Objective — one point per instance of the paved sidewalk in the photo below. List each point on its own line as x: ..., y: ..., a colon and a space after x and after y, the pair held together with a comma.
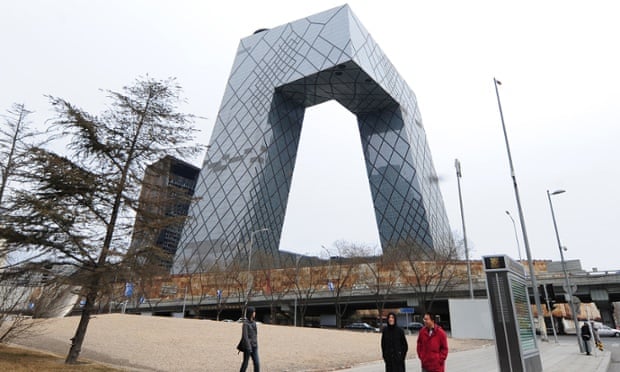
x: 555, y: 358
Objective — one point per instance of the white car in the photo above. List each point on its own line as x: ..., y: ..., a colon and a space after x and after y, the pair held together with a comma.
x: 359, y: 326
x: 605, y: 331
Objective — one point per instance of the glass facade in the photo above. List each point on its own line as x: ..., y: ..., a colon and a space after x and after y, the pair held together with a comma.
x: 246, y: 176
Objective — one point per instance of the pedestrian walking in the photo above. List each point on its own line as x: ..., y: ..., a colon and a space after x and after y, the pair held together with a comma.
x: 394, y: 346
x: 249, y: 340
x: 432, y: 346
x: 586, y: 335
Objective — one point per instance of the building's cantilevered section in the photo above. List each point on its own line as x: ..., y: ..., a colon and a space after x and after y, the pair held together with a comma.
x: 246, y: 176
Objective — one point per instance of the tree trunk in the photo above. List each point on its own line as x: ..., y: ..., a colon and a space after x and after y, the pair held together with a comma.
x: 301, y: 314
x: 380, y: 307
x: 272, y: 313
x: 220, y: 308
x: 339, y: 314
x: 80, y: 333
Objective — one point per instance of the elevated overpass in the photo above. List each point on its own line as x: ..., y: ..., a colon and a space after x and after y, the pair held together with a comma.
x: 602, y: 288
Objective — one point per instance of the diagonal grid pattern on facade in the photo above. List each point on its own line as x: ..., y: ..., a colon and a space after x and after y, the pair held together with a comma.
x: 246, y: 176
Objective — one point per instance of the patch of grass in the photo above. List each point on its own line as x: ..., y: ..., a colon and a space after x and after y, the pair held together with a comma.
x: 23, y: 360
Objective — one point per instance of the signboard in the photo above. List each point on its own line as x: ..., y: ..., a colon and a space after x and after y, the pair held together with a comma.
x: 128, y: 289
x: 515, y: 338
x: 527, y: 336
x: 407, y: 310
x: 494, y: 263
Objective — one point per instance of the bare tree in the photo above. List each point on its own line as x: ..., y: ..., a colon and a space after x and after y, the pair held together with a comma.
x: 221, y: 279
x: 26, y: 295
x: 199, y: 285
x: 145, y: 273
x: 15, y: 294
x: 343, y: 270
x: 273, y: 285
x: 305, y: 279
x: 430, y: 272
x: 16, y: 138
x: 381, y: 276
x: 79, y: 210
x: 239, y: 282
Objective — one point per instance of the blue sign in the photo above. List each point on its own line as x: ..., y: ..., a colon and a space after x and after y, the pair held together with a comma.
x: 128, y: 289
x: 330, y: 285
x: 219, y: 293
x: 407, y: 310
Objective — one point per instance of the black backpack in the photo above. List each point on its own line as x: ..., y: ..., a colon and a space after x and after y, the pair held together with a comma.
x: 585, y: 332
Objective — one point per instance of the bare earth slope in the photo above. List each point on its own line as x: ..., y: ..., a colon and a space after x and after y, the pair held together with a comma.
x: 172, y: 344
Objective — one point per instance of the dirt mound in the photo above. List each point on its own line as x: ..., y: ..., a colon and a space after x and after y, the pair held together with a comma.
x: 172, y: 344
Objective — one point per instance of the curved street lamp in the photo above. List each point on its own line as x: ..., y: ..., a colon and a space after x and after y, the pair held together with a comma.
x: 514, y: 226
x: 459, y: 174
x: 566, y: 281
x: 541, y: 319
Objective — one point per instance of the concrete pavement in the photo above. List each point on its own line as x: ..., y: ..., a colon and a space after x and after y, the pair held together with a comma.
x: 559, y: 357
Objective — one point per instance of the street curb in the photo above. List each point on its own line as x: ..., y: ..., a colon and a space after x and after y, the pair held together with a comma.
x: 604, y: 366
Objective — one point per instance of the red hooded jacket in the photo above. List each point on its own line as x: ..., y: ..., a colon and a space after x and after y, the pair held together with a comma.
x: 433, y: 349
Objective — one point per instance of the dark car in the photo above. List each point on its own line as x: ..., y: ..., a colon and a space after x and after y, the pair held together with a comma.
x: 359, y: 326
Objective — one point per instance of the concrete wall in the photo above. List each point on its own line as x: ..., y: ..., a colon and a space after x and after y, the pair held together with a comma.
x: 471, y: 319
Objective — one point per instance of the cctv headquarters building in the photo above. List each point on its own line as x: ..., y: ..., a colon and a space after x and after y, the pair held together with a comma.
x: 245, y: 178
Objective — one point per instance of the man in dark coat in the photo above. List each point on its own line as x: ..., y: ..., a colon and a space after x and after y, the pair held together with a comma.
x: 393, y: 346
x: 586, y: 335
x: 432, y: 346
x: 249, y: 340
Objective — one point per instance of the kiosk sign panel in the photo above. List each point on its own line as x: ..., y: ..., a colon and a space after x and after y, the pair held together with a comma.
x: 515, y: 338
x: 522, y: 308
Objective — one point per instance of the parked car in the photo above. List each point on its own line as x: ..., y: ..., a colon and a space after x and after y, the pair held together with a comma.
x: 414, y: 326
x: 605, y: 331
x: 359, y: 326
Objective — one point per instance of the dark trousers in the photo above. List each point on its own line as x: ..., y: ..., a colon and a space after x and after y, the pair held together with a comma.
x: 246, y: 359
x: 394, y: 365
x: 586, y: 344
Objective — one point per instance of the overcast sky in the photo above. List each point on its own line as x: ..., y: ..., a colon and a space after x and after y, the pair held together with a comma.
x: 558, y: 62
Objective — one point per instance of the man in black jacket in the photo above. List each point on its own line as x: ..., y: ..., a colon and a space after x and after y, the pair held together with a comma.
x: 586, y: 335
x: 393, y: 346
x: 249, y: 340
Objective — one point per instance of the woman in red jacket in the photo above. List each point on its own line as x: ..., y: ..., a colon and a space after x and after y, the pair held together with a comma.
x: 432, y: 346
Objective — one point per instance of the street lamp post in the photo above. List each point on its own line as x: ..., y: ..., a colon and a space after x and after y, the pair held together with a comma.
x: 541, y: 319
x: 184, y: 300
x: 514, y: 226
x: 566, y: 281
x: 296, y: 287
x: 330, y: 285
x: 457, y: 165
x: 250, y: 263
